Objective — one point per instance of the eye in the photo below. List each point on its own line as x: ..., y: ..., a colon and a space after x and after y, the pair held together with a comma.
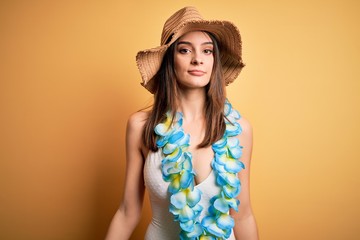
x: 208, y: 51
x: 184, y: 50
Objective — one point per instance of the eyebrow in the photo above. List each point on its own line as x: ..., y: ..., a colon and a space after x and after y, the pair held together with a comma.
x: 189, y: 43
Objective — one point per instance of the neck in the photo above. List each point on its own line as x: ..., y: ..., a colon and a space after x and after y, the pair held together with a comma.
x: 192, y: 104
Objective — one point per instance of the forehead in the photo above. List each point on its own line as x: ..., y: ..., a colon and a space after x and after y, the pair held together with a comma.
x: 195, y: 36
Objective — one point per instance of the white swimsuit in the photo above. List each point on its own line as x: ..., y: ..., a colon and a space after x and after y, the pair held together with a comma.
x: 163, y: 226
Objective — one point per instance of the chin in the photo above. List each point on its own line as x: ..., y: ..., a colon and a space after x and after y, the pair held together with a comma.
x: 195, y: 83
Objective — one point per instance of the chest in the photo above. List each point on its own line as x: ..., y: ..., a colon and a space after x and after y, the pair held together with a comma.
x: 201, y: 160
x: 201, y: 157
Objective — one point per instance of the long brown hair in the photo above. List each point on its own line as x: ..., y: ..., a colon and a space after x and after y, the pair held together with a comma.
x: 166, y: 94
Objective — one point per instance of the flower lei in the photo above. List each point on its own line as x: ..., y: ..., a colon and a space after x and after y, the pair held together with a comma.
x: 178, y: 170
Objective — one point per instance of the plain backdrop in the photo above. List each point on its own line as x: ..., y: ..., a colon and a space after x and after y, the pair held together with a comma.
x: 68, y: 82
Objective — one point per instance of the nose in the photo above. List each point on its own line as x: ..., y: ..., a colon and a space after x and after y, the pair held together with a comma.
x: 196, y: 60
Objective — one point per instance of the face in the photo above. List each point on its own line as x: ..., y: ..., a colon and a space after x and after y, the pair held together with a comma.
x: 193, y: 59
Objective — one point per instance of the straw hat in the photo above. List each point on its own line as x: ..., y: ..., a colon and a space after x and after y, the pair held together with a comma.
x: 185, y: 20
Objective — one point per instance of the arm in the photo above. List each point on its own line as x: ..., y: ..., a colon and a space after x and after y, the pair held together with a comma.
x: 245, y: 224
x: 128, y: 215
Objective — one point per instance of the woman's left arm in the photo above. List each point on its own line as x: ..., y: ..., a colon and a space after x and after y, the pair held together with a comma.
x: 245, y: 224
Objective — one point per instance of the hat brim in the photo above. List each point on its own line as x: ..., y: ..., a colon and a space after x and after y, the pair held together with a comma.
x: 225, y: 32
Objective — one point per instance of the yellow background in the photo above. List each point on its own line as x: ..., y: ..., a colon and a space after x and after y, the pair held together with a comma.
x: 68, y: 82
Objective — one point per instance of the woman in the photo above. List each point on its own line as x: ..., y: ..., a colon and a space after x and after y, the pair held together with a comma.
x: 192, y: 149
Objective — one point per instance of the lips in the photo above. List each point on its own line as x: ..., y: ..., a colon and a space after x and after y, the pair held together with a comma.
x: 196, y: 72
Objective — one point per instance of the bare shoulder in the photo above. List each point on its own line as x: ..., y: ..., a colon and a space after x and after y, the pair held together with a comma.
x: 136, y: 121
x: 246, y: 137
x: 245, y: 126
x: 134, y: 130
x: 135, y: 126
x: 246, y: 140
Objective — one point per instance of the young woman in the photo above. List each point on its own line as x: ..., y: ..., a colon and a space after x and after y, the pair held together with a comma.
x: 192, y: 150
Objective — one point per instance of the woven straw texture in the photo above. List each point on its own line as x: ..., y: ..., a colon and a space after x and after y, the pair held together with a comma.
x: 186, y: 20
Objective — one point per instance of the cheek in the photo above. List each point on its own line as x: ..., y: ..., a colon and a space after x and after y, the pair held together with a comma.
x: 211, y: 63
x: 179, y: 65
x: 177, y: 62
x: 177, y: 68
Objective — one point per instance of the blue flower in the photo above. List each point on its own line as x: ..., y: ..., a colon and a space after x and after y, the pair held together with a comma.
x: 196, y: 231
x: 186, y: 196
x: 177, y: 169
x: 211, y: 226
x: 224, y: 203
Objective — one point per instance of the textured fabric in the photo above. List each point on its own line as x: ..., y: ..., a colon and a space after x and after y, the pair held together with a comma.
x: 163, y: 226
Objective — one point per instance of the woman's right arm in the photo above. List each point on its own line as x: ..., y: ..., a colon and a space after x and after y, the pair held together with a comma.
x: 128, y: 215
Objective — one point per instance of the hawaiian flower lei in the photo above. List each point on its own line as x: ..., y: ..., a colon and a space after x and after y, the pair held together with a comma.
x: 178, y: 170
